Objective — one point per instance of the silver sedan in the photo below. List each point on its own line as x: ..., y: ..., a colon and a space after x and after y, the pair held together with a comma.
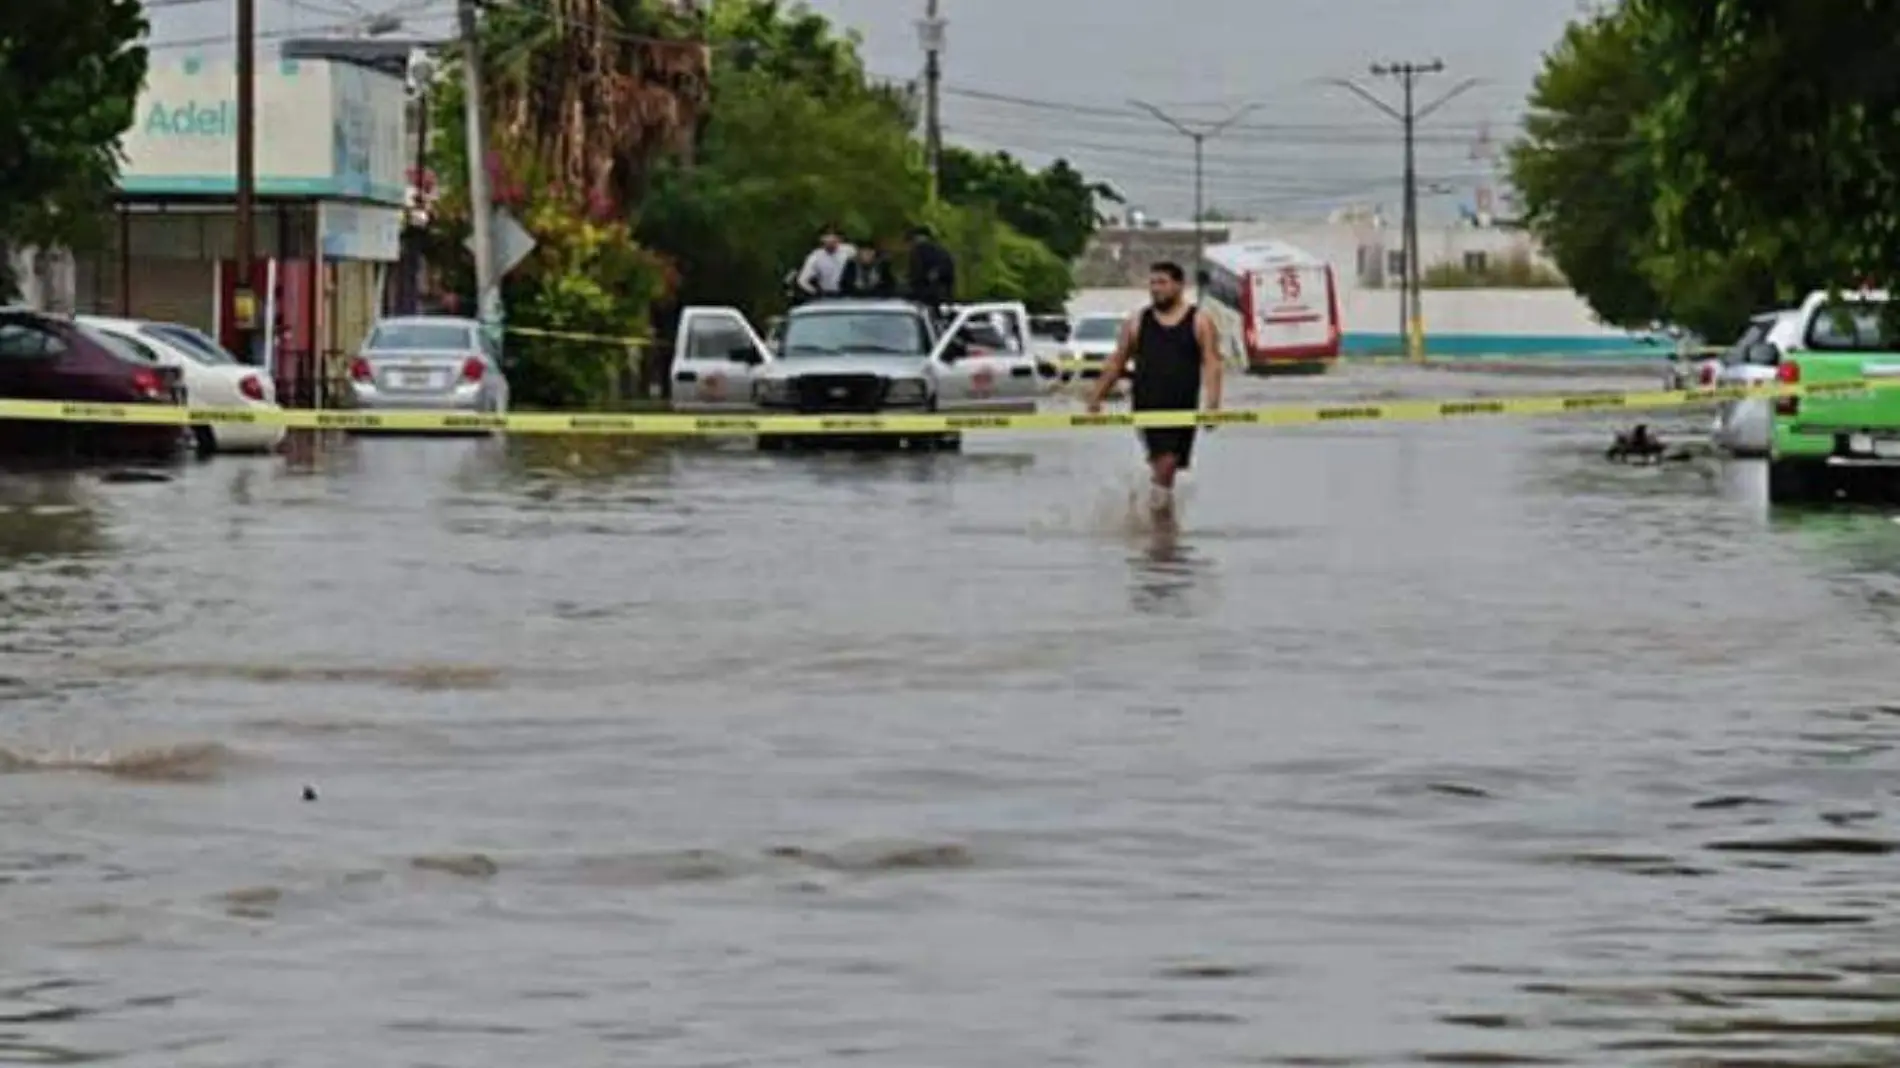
x: 429, y: 363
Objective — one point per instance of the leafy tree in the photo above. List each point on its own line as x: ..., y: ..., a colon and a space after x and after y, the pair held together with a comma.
x: 1777, y: 135
x: 586, y: 275
x: 1583, y: 173
x: 1056, y: 205
x: 1588, y: 173
x: 776, y: 163
x: 995, y: 262
x: 596, y: 91
x: 70, y: 74
x: 798, y: 136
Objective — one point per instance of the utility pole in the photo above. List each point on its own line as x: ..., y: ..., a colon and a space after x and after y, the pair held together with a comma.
x: 481, y: 209
x: 930, y: 33
x: 1199, y: 135
x: 243, y: 296
x: 1411, y: 294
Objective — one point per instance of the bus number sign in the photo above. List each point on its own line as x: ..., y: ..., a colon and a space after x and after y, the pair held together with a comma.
x: 1289, y: 283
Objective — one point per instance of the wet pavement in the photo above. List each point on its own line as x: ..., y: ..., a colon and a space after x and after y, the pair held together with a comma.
x: 1418, y: 745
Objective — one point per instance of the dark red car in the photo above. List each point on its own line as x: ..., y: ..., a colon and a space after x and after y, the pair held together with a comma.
x: 52, y: 358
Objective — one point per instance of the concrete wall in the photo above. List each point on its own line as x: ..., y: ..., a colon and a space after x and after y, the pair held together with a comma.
x: 1456, y: 320
x: 1358, y: 250
x: 1513, y: 321
x: 1119, y: 256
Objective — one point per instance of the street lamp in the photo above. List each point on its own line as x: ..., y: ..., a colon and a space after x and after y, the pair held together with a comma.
x: 1199, y: 135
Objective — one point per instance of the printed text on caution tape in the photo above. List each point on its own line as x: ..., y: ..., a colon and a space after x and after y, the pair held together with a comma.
x: 683, y: 424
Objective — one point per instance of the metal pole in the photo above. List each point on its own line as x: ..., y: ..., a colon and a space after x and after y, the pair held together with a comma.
x: 421, y: 266
x: 1200, y: 212
x: 1414, y: 341
x: 481, y: 209
x: 1412, y: 273
x: 244, y: 297
x: 1199, y: 136
x: 931, y: 32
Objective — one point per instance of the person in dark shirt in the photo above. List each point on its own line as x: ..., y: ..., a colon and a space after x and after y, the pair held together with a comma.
x: 933, y: 272
x: 867, y: 275
x: 1177, y: 360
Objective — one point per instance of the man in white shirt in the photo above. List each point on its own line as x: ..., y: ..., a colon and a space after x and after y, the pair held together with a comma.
x: 824, y: 268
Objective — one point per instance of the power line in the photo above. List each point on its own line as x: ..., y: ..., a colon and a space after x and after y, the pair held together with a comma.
x: 1408, y: 114
x: 1240, y: 134
x: 1130, y: 117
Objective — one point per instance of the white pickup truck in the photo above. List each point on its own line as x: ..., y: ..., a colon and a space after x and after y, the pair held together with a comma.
x: 853, y: 356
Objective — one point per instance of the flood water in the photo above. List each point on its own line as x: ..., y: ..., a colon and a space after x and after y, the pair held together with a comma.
x: 1417, y: 745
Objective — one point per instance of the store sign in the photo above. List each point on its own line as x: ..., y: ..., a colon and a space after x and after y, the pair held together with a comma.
x: 323, y: 130
x: 359, y: 232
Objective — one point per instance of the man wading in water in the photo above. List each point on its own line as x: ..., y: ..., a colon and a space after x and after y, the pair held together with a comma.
x: 1177, y: 360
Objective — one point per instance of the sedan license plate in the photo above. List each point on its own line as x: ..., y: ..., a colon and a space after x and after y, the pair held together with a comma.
x: 415, y: 380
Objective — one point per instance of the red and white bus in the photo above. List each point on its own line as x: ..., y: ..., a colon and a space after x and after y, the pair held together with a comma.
x: 1277, y: 306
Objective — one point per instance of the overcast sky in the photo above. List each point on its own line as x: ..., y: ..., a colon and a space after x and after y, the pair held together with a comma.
x: 1047, y: 78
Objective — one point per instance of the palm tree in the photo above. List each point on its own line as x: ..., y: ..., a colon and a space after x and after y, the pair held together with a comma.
x: 597, y: 91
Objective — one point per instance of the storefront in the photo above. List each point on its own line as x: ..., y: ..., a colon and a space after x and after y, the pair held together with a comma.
x: 331, y: 181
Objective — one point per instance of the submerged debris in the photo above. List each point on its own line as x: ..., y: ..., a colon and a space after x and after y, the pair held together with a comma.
x: 1638, y: 446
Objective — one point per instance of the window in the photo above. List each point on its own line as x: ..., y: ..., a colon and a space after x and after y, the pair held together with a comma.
x: 422, y: 337
x: 1852, y: 326
x: 835, y: 333
x: 1477, y: 262
x: 992, y: 332
x: 717, y: 338
x: 28, y: 341
x: 126, y: 348
x: 1395, y: 262
x: 1098, y: 328
x: 1223, y: 287
x: 1737, y: 353
x: 192, y: 343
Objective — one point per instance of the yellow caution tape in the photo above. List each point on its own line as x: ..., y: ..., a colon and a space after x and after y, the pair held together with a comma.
x: 687, y: 425
x: 569, y: 335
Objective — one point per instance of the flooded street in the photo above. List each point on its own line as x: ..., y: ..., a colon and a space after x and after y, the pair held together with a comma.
x: 1420, y: 744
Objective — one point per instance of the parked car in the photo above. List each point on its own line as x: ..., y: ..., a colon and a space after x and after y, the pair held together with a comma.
x: 1826, y: 442
x: 429, y: 363
x: 213, y: 379
x: 1091, y: 342
x: 54, y: 358
x: 1746, y: 427
x: 1692, y: 364
x: 857, y: 356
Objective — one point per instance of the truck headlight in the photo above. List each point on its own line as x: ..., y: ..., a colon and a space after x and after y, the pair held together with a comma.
x: 772, y: 391
x: 907, y: 391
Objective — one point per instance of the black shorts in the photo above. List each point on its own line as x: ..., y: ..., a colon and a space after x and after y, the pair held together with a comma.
x: 1175, y: 441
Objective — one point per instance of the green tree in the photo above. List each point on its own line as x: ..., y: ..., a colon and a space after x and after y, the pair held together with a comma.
x: 1776, y: 138
x: 1588, y: 172
x: 775, y: 163
x: 1056, y: 205
x: 70, y: 74
x: 1584, y: 174
x: 798, y: 136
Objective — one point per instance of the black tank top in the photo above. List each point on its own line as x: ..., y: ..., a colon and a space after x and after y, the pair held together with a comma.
x: 1167, y: 364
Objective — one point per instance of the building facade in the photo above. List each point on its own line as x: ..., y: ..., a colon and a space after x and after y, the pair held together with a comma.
x: 331, y: 171
x: 1367, y: 253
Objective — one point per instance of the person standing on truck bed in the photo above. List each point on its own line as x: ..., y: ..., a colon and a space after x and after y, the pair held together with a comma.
x: 824, y: 268
x: 867, y: 275
x: 933, y: 272
x: 1177, y: 368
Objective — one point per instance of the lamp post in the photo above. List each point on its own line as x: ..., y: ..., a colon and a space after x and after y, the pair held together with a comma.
x: 1199, y: 135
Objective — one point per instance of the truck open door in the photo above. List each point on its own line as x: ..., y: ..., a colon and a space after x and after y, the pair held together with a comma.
x: 984, y: 360
x: 716, y: 358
